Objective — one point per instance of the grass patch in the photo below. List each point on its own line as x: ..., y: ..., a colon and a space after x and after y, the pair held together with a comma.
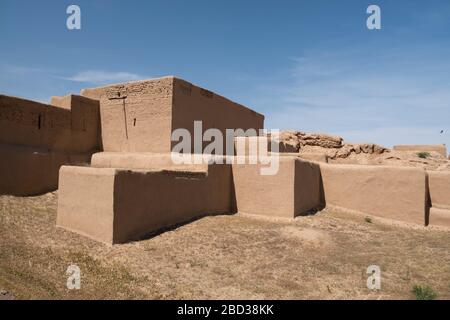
x: 424, y: 292
x: 423, y: 155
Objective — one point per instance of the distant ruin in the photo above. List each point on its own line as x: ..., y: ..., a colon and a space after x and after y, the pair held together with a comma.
x: 109, y: 152
x: 36, y: 139
x: 441, y: 149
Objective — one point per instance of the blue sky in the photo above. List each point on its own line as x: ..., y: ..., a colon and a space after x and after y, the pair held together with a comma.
x: 307, y: 65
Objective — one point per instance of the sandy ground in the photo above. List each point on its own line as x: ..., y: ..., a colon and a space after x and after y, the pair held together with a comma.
x: 324, y: 256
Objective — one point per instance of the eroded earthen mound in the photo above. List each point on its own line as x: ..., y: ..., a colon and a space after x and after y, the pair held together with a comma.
x: 336, y: 150
x: 333, y: 146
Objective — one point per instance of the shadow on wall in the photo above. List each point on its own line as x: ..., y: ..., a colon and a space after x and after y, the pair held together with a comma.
x: 308, y: 189
x: 408, y: 194
x: 428, y: 202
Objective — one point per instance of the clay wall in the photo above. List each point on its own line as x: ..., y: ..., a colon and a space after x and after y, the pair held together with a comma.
x: 141, y: 116
x: 29, y: 123
x: 115, y: 205
x: 36, y: 139
x: 27, y: 171
x: 192, y: 103
x: 135, y: 116
x: 439, y: 183
x: 397, y: 193
x: 293, y: 191
x: 440, y: 148
x: 439, y: 217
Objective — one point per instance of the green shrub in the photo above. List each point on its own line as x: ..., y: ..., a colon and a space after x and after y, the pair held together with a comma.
x: 423, y: 155
x: 423, y: 292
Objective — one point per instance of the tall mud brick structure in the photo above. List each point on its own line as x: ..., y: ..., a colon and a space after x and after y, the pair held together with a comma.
x: 141, y: 116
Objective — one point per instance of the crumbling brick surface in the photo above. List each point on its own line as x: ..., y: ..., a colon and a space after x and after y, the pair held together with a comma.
x: 141, y: 116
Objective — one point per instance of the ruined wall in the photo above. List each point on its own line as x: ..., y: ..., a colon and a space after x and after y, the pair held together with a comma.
x: 326, y: 148
x: 308, y: 189
x: 27, y: 171
x: 115, y: 206
x: 29, y: 123
x: 86, y: 202
x: 135, y: 116
x: 439, y: 148
x: 265, y: 195
x: 397, y: 193
x: 191, y: 103
x: 293, y: 191
x: 440, y: 217
x: 140, y: 116
x: 36, y: 139
x: 85, y: 121
x: 439, y: 183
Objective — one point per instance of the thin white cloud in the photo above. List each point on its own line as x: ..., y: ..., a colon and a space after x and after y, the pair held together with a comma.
x: 87, y: 76
x: 104, y: 77
x: 21, y: 70
x: 395, y: 97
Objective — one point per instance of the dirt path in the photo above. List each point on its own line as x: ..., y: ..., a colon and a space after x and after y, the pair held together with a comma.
x: 224, y: 257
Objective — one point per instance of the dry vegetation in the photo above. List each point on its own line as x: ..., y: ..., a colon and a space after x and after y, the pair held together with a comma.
x: 317, y: 257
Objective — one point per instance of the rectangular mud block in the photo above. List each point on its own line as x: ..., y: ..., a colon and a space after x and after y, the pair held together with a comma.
x: 439, y: 183
x: 114, y: 205
x: 140, y: 116
x: 294, y: 190
x: 71, y: 127
x: 397, y: 193
x: 439, y: 217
